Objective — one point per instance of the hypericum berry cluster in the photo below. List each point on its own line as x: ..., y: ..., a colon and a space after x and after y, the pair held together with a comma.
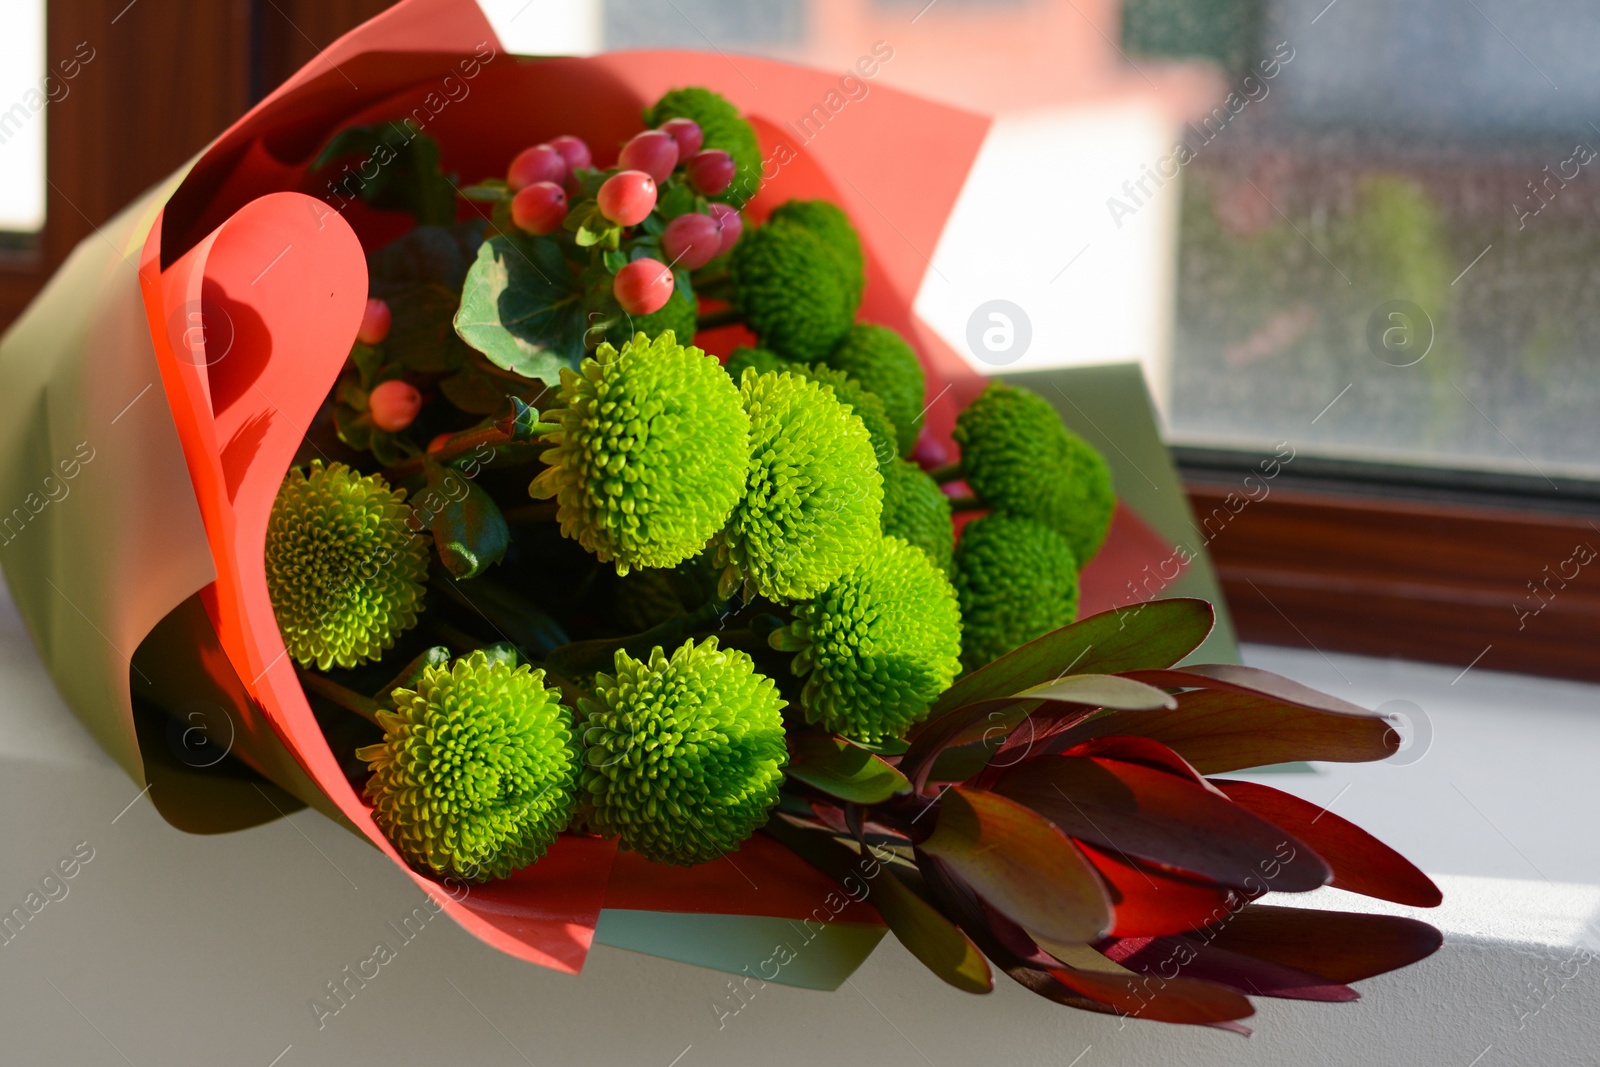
x: 552, y: 181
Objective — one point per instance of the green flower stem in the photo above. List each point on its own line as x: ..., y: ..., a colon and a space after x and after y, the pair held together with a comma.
x: 966, y: 503
x: 531, y: 514
x: 950, y: 472
x: 348, y: 699
x: 726, y: 317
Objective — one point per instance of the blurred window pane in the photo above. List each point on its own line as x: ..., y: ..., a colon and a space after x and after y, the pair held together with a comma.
x: 1368, y: 227
x: 23, y: 94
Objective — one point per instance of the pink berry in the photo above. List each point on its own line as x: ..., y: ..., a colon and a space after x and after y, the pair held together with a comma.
x: 687, y: 133
x: 691, y: 241
x: 710, y: 172
x: 730, y: 222
x: 539, y: 208
x: 541, y: 163
x: 374, y: 323
x: 653, y: 151
x: 438, y: 441
x: 393, y: 404
x: 627, y: 197
x: 573, y: 150
x: 643, y: 286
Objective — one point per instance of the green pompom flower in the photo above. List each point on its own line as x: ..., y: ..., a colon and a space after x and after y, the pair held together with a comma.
x: 477, y: 770
x: 685, y: 755
x: 678, y: 315
x: 880, y: 644
x: 864, y: 405
x: 1017, y: 579
x: 345, y: 572
x: 916, y: 510
x: 724, y: 128
x: 813, y: 492
x: 1019, y: 457
x: 791, y: 292
x: 650, y: 455
x: 831, y: 224
x: 759, y: 360
x: 884, y: 364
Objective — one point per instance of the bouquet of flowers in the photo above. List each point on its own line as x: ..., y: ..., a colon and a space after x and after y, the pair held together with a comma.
x: 564, y: 611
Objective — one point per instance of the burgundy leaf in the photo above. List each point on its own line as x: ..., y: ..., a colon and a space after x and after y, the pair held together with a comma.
x: 1220, y: 730
x: 1167, y: 956
x: 1341, y: 946
x: 1361, y: 863
x: 1019, y: 864
x: 1147, y: 901
x: 1162, y: 819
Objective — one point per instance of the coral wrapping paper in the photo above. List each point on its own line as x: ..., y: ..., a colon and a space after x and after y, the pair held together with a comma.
x: 191, y: 342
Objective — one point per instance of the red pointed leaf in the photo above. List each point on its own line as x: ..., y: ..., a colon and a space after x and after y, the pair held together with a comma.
x: 1157, y: 817
x: 1180, y: 999
x: 1020, y: 864
x: 1235, y: 678
x: 1145, y: 636
x: 1247, y: 974
x: 1147, y: 901
x: 1341, y: 946
x: 1220, y: 730
x: 990, y: 720
x: 1361, y: 863
x: 926, y: 934
x: 1144, y: 752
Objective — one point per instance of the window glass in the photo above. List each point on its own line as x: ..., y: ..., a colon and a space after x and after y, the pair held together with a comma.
x: 24, y: 92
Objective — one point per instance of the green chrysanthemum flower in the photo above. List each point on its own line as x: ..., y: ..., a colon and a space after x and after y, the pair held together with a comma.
x: 678, y: 314
x: 813, y: 492
x: 1017, y: 579
x: 791, y: 292
x: 759, y: 360
x: 1019, y: 457
x: 724, y: 128
x: 650, y: 456
x: 879, y: 644
x: 916, y: 510
x: 344, y: 572
x: 884, y: 364
x: 864, y: 405
x: 831, y: 224
x: 477, y: 770
x: 685, y: 755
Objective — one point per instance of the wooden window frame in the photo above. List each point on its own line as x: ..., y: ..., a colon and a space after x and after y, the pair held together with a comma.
x: 1469, y: 569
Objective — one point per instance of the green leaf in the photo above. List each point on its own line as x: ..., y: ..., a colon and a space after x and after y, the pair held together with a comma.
x: 521, y: 308
x: 1021, y: 864
x: 368, y: 362
x: 488, y: 191
x: 420, y: 275
x: 1152, y: 635
x: 501, y: 652
x: 933, y: 939
x: 468, y: 530
x: 675, y: 198
x: 840, y: 769
x: 353, y: 427
x: 399, y: 171
x: 531, y: 631
x: 411, y: 674
x: 473, y: 391
x: 614, y: 260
